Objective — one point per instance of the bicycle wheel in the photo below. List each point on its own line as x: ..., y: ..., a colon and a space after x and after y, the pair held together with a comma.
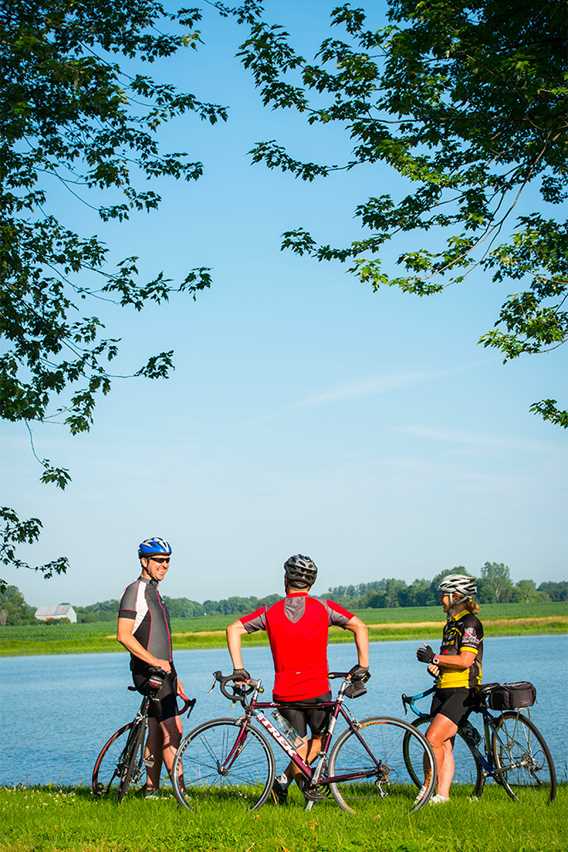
x: 469, y: 775
x: 209, y: 770
x: 376, y: 747
x: 111, y: 763
x: 133, y: 760
x: 524, y: 763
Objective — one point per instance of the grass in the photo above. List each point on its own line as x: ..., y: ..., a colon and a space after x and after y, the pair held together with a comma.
x: 208, y: 631
x: 56, y: 819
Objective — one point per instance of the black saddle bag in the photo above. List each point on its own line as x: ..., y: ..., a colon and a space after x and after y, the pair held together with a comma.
x: 511, y: 696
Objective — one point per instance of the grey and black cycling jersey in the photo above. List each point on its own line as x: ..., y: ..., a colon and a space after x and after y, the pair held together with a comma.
x: 142, y: 602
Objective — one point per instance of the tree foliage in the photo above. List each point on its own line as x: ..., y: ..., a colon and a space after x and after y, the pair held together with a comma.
x: 13, y: 608
x: 468, y: 102
x: 495, y: 583
x: 79, y: 117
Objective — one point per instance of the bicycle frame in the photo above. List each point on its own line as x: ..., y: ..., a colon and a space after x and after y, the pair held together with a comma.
x: 485, y: 758
x: 123, y: 770
x: 254, y: 710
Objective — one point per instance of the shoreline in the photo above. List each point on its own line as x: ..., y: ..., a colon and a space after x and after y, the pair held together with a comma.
x: 211, y: 639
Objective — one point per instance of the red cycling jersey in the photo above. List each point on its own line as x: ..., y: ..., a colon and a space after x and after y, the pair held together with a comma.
x: 297, y: 629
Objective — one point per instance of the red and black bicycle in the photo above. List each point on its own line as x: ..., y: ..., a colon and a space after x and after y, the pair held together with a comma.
x: 234, y: 758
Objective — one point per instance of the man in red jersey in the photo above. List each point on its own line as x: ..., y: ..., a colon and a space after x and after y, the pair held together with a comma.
x: 297, y: 628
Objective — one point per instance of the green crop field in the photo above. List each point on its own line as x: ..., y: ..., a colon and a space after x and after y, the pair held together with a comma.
x: 208, y: 631
x: 51, y: 819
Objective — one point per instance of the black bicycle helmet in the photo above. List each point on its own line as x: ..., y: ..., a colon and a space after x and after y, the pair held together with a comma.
x: 300, y: 570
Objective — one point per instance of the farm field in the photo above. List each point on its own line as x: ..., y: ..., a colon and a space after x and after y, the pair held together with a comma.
x: 53, y: 819
x: 208, y: 631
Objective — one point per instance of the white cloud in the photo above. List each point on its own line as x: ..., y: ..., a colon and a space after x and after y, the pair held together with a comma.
x: 475, y: 439
x: 371, y: 387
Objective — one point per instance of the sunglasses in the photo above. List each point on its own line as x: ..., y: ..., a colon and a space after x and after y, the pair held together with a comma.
x: 161, y: 560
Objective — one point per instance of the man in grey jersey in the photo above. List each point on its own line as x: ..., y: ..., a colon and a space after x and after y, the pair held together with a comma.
x: 144, y: 630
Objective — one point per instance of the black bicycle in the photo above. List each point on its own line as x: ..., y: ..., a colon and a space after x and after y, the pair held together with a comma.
x: 121, y: 762
x: 511, y: 749
x: 233, y: 758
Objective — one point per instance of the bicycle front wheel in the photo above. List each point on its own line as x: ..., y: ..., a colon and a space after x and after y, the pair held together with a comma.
x: 524, y: 763
x: 376, y: 749
x: 468, y: 776
x: 224, y: 758
x: 111, y: 763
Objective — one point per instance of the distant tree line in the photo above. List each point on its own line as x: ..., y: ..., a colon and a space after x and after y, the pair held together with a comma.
x: 178, y: 607
x: 494, y: 586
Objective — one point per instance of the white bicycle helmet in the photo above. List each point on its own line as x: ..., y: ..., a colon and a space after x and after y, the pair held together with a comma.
x: 458, y: 584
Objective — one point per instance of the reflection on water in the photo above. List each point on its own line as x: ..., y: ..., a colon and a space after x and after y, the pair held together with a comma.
x: 60, y: 709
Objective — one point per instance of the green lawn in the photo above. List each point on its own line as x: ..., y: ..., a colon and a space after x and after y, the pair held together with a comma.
x: 44, y: 819
x: 192, y: 632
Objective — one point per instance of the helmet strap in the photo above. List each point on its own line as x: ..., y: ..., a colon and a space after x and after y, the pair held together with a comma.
x: 146, y: 570
x: 456, y: 605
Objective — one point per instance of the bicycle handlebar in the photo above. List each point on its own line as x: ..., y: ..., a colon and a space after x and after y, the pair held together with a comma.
x: 188, y: 705
x: 410, y: 701
x: 241, y: 688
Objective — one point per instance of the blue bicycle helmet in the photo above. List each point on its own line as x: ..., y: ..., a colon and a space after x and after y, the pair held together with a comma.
x: 154, y: 546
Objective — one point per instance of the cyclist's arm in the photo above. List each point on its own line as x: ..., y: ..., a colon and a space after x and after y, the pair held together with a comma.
x: 361, y: 636
x: 125, y: 635
x: 234, y: 634
x: 463, y: 660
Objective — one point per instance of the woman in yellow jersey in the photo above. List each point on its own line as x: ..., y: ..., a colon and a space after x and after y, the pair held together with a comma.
x: 457, y: 669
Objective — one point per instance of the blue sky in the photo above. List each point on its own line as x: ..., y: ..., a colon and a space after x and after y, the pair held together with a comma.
x: 306, y: 414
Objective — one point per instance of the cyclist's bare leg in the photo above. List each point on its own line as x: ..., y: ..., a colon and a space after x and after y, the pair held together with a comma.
x: 308, y: 751
x: 439, y: 735
x: 314, y: 748
x: 154, y: 748
x: 171, y: 735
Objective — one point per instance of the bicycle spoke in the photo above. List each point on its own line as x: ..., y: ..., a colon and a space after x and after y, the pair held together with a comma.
x: 111, y: 765
x: 385, y: 739
x: 247, y: 774
x: 468, y: 774
x: 524, y: 764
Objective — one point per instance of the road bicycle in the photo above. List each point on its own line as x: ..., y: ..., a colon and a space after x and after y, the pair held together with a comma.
x: 511, y: 750
x: 233, y: 758
x: 121, y: 763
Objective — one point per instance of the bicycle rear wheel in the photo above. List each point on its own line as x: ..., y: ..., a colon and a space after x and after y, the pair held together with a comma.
x: 523, y: 760
x: 376, y: 748
x: 217, y: 762
x: 111, y: 763
x: 134, y: 760
x: 469, y: 776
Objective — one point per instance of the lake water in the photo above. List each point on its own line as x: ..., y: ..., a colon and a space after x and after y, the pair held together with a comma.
x: 56, y: 711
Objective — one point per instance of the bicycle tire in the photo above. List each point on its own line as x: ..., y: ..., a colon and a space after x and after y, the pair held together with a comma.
x: 348, y: 755
x: 209, y: 744
x: 107, y: 769
x: 134, y: 759
x: 524, y: 770
x: 470, y: 777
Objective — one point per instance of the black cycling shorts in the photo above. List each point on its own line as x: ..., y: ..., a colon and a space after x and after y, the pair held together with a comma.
x: 302, y: 714
x: 164, y: 706
x: 455, y: 703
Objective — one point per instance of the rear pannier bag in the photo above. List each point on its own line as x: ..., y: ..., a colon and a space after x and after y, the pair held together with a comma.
x: 512, y: 696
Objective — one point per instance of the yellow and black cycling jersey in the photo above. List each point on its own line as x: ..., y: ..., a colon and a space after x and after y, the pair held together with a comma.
x: 462, y: 632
